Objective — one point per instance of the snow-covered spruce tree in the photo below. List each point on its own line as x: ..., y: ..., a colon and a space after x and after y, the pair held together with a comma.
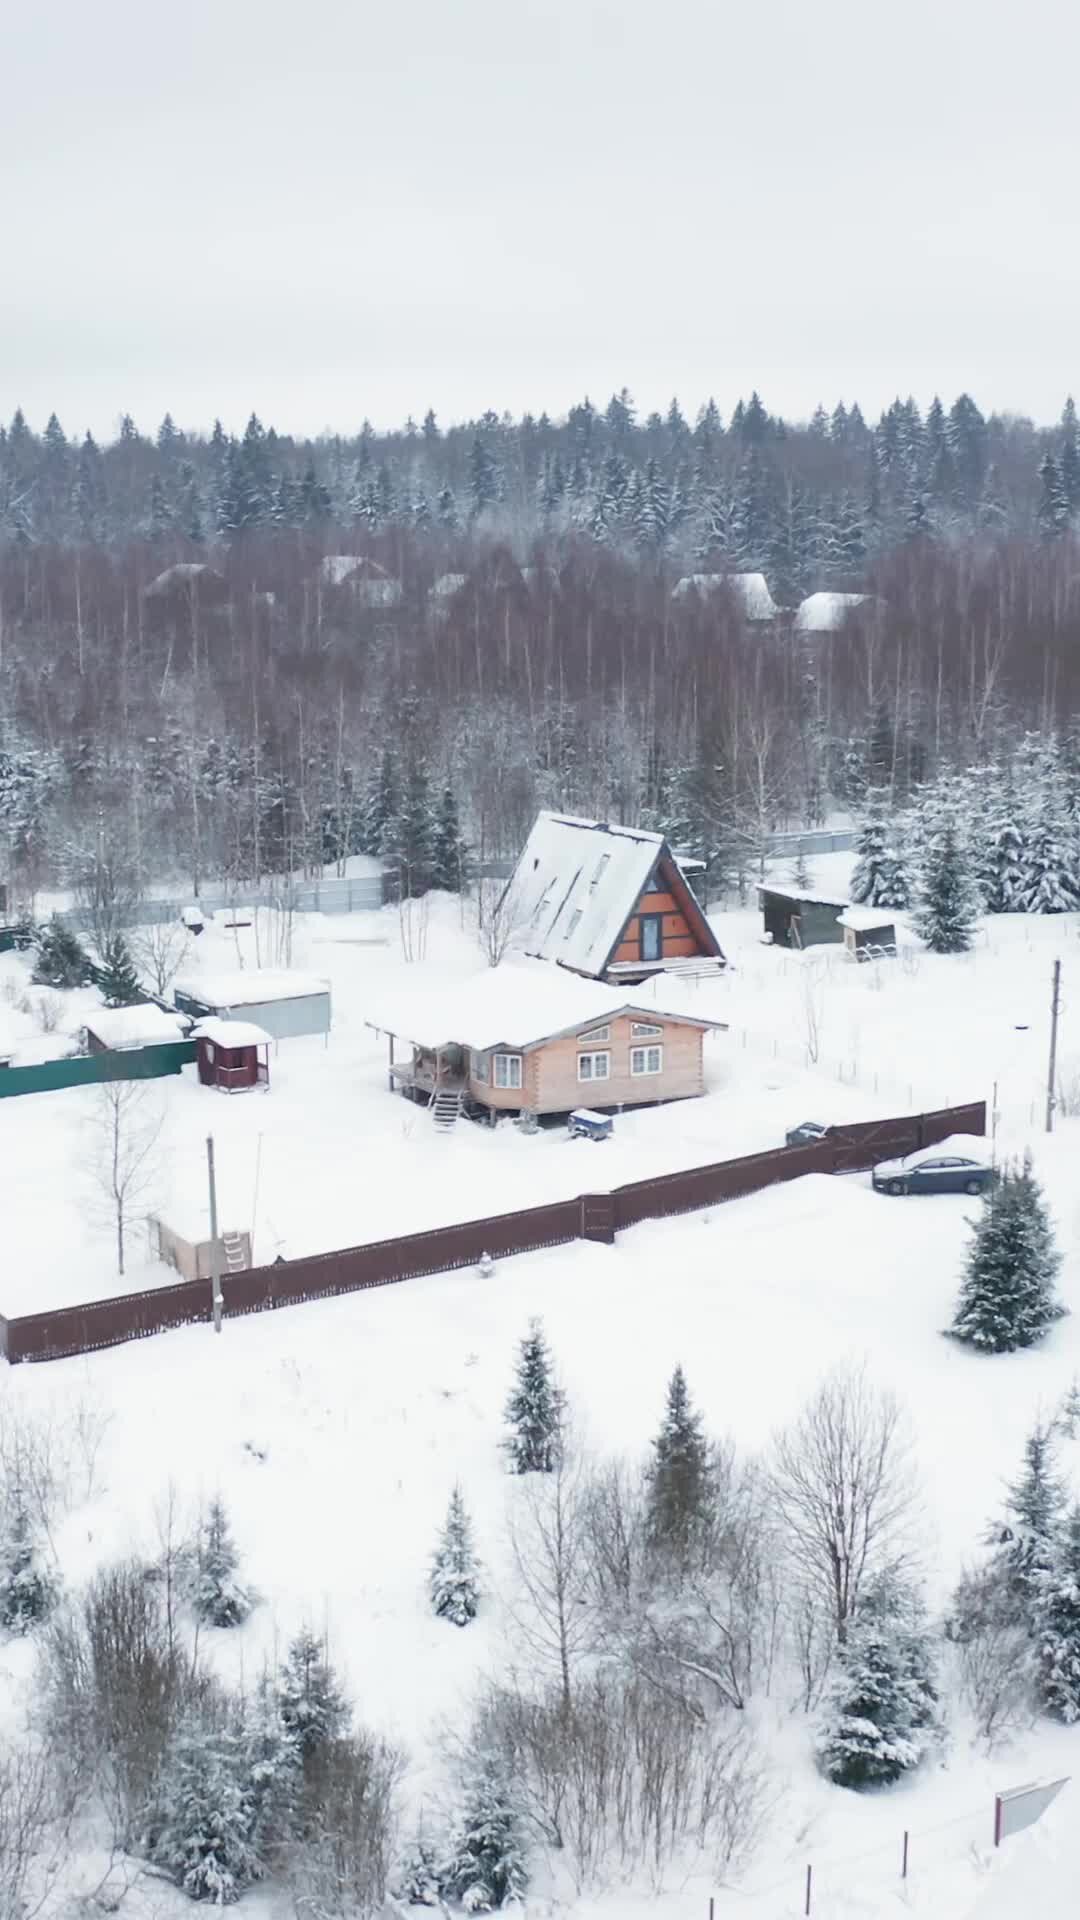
x: 879, y: 878
x: 420, y: 1878
x: 881, y: 1714
x: 409, y: 839
x: 312, y: 1706
x: 27, y: 1591
x: 680, y: 1480
x: 948, y: 903
x: 534, y: 1411
x: 454, y: 1579
x: 1007, y: 1297
x: 1056, y: 1625
x: 1028, y: 1540
x: 485, y: 1869
x: 1048, y: 881
x: 201, y: 1829
x: 218, y: 1597
x: 117, y: 978
x: 61, y: 961
x: 450, y: 855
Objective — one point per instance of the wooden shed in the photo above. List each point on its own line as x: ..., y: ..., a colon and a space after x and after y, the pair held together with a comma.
x: 118, y: 1029
x: 869, y: 932
x: 233, y: 1055
x: 794, y: 919
x: 284, y: 1004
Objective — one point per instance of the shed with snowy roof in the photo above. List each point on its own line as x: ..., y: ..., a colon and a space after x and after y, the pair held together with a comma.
x: 232, y: 1055
x: 116, y: 1029
x: 608, y: 902
x: 284, y: 1004
x: 869, y: 932
x: 795, y: 919
x: 830, y: 612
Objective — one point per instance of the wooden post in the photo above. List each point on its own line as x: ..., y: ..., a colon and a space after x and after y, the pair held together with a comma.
x: 215, y: 1244
x: 809, y: 1887
x: 903, y: 1864
x: 390, y: 1066
x: 1051, y: 1076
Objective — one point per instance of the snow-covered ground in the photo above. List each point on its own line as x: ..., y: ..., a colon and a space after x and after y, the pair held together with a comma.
x: 367, y: 1407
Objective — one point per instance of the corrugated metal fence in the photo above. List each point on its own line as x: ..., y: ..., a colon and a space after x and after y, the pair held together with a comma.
x: 364, y: 895
x: 125, y: 1063
x: 595, y: 1216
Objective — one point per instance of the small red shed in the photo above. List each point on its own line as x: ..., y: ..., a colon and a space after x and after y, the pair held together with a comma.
x: 233, y: 1055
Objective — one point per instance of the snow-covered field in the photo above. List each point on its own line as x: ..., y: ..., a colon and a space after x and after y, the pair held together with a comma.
x: 367, y: 1408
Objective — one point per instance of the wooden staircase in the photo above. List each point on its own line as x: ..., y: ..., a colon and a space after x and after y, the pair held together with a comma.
x: 447, y: 1104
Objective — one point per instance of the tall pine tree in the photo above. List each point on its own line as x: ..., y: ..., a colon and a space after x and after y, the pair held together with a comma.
x: 486, y: 1868
x: 1008, y: 1298
x: 680, y: 1479
x: 535, y: 1408
x: 947, y: 900
x: 454, y: 1579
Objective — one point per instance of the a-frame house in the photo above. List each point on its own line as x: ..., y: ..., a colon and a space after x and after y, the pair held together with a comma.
x: 604, y: 901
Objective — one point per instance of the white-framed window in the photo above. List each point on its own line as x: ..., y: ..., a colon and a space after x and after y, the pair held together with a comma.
x: 594, y: 1066
x: 641, y: 1030
x: 646, y: 1060
x: 508, y: 1069
x: 481, y: 1066
x: 596, y: 1036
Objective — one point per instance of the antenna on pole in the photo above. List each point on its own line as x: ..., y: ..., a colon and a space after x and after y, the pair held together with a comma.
x: 215, y: 1244
x: 1051, y: 1076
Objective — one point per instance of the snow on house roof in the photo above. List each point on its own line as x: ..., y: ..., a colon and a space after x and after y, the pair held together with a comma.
x: 827, y: 612
x: 253, y: 987
x: 574, y: 887
x: 750, y: 589
x: 447, y: 584
x: 231, y: 1033
x: 867, y: 919
x: 516, y: 1005
x: 147, y: 1026
x: 808, y: 896
x: 185, y: 573
x: 371, y: 582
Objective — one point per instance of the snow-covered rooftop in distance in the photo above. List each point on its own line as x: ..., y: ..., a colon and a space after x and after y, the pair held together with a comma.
x: 185, y: 573
x: 514, y: 1005
x: 750, y: 589
x: 146, y: 1026
x: 867, y: 919
x: 827, y: 612
x: 574, y: 887
x: 250, y: 987
x: 447, y: 584
x: 231, y: 1033
x: 804, y: 894
x: 41, y: 1048
x: 371, y: 581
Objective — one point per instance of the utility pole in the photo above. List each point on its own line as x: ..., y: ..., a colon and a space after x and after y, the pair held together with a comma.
x: 1055, y: 1010
x: 215, y: 1244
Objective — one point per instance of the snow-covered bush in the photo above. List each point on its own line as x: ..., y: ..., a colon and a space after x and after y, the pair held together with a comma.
x: 202, y: 1824
x: 311, y: 1703
x: 485, y: 1869
x: 881, y: 1714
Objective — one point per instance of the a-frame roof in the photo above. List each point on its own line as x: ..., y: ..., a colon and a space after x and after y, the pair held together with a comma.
x: 576, y: 885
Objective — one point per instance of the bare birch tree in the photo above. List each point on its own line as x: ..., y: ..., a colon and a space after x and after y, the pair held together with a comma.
x: 550, y: 1538
x: 160, y: 951
x: 127, y: 1125
x: 844, y: 1489
x: 499, y: 916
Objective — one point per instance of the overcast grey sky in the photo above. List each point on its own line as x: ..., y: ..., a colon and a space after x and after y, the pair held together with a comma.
x: 323, y: 209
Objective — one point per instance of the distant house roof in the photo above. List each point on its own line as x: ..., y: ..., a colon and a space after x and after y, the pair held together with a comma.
x: 751, y: 590
x: 447, y: 584
x: 827, y: 612
x: 576, y: 885
x: 518, y: 1005
x: 186, y: 576
x: 119, y: 1027
x: 251, y: 987
x: 370, y: 583
x: 807, y: 896
x: 231, y: 1033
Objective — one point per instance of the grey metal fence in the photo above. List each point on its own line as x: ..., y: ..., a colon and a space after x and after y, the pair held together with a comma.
x: 365, y: 895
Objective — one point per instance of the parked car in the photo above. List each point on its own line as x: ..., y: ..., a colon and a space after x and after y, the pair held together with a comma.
x: 806, y: 1135
x: 959, y: 1165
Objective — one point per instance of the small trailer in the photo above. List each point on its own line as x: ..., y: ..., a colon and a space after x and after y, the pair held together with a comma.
x: 584, y: 1124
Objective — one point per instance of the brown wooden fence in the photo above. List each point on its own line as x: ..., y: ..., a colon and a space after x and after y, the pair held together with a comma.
x: 593, y: 1216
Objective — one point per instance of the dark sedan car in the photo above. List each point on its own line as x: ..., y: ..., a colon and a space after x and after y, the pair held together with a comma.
x: 806, y: 1135
x: 959, y: 1165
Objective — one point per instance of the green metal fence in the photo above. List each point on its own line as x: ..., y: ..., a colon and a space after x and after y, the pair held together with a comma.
x: 127, y: 1063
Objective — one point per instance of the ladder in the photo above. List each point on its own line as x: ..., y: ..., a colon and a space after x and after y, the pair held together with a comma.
x: 446, y: 1106
x: 235, y: 1257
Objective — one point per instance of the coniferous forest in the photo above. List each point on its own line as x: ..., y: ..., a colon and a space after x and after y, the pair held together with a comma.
x: 232, y: 656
